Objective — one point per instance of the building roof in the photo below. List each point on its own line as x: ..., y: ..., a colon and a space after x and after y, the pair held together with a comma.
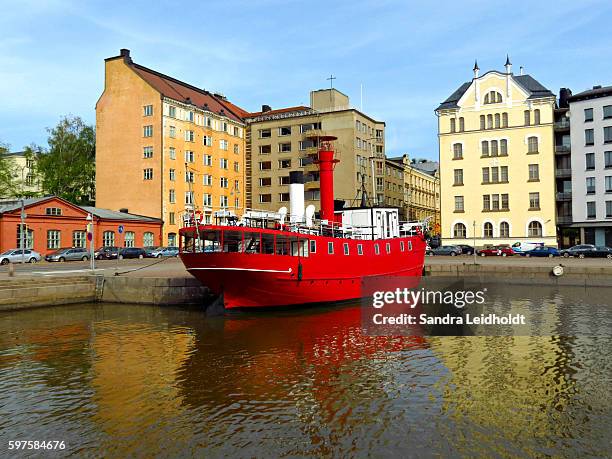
x: 595, y: 93
x: 299, y: 108
x: 107, y: 214
x: 533, y: 87
x: 10, y: 205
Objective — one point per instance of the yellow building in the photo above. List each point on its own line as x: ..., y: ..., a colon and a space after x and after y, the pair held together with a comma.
x: 24, y: 169
x: 497, y: 161
x: 164, y: 147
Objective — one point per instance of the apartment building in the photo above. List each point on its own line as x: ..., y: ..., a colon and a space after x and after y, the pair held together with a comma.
x: 282, y: 140
x: 394, y: 186
x: 497, y: 160
x: 24, y: 168
x: 165, y: 147
x: 591, y: 164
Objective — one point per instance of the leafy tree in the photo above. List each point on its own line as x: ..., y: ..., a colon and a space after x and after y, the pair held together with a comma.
x: 67, y: 169
x: 8, y: 172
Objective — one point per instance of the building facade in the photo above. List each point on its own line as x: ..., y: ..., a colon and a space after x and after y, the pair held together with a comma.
x: 497, y: 160
x: 591, y: 164
x: 24, y: 167
x: 165, y: 148
x: 279, y: 141
x: 51, y: 223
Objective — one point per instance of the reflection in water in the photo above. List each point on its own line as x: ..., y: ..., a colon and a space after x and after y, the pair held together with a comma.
x: 144, y: 381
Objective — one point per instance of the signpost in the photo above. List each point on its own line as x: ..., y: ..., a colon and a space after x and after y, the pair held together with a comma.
x: 120, y: 231
x: 90, y: 238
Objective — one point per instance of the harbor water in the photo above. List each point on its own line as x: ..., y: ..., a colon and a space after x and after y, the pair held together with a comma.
x: 114, y: 380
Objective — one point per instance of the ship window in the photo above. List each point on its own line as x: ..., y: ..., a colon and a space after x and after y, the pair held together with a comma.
x: 359, y: 249
x: 402, y: 246
x: 299, y: 248
x: 388, y: 247
x: 267, y: 243
x: 330, y: 248
x: 282, y: 245
x: 252, y: 242
x: 313, y: 246
x: 409, y: 245
x: 211, y: 241
x: 232, y: 241
x: 376, y: 249
x: 346, y: 248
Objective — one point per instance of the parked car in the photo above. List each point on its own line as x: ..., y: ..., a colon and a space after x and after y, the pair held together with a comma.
x: 451, y: 250
x: 599, y: 252
x: 542, y: 251
x: 579, y: 251
x: 496, y: 251
x: 150, y: 250
x: 466, y: 249
x: 68, y: 254
x: 163, y: 252
x: 106, y: 253
x: 132, y: 252
x: 17, y: 255
x: 434, y: 242
x: 520, y: 247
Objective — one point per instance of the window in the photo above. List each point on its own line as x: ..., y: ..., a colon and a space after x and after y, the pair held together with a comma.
x: 313, y: 246
x: 346, y: 248
x: 591, y: 210
x: 53, y: 211
x: 148, y: 111
x: 265, y: 165
x: 527, y: 114
x: 459, y: 230
x: 495, y: 174
x: 78, y: 239
x: 504, y: 229
x: 608, y: 134
x: 330, y: 248
x: 265, y: 198
x: 534, y: 229
x: 29, y: 237
x: 265, y: 181
x: 534, y: 172
x: 207, y: 179
x: 497, y: 121
x: 536, y: 116
x: 457, y: 151
x: 172, y: 132
x: 608, y: 183
x: 485, y: 148
x: 503, y: 172
x: 128, y: 241
x: 236, y: 166
x: 608, y: 209
x: 608, y: 159
x: 504, y: 201
x: 189, y: 156
x: 482, y: 123
x: 283, y: 180
x: 207, y: 200
x: 172, y: 239
x: 376, y: 249
x: 534, y: 201
x: 148, y: 174
x: 494, y: 151
x: 504, y: 120
x: 461, y: 124
x: 148, y: 239
x: 147, y: 152
x: 265, y: 149
x: 188, y: 198
x: 265, y: 133
x: 590, y: 161
x: 493, y: 97
x: 223, y: 144
x: 284, y: 147
x: 488, y: 229
x: 108, y: 238
x: 284, y: 130
x: 189, y: 136
x: 452, y: 124
x: 189, y: 116
x: 459, y: 204
x: 607, y: 111
x: 402, y: 247
x: 172, y: 153
x: 283, y: 197
x: 486, y: 202
x: 388, y: 247
x: 207, y: 141
x: 503, y: 147
x: 236, y: 148
x: 171, y: 196
x: 458, y: 176
x: 223, y: 182
x: 590, y: 185
x: 589, y: 136
x: 588, y: 115
x: 489, y: 121
x: 532, y: 144
x: 223, y: 163
x: 223, y: 201
x: 189, y: 176
x: 147, y: 131
x: 309, y: 127
x: 485, y: 175
x: 172, y: 111
x: 208, y: 160
x: 284, y: 163
x: 360, y: 248
x: 305, y: 144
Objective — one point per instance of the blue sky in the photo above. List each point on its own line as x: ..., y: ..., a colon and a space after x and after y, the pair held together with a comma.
x: 408, y: 55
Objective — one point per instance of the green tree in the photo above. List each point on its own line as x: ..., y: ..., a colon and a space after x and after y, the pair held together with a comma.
x: 68, y: 168
x: 8, y: 172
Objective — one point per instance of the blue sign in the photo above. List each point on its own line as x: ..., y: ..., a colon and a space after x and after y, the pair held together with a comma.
x: 120, y: 229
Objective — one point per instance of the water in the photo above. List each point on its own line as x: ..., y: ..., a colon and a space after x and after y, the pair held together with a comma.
x: 140, y: 381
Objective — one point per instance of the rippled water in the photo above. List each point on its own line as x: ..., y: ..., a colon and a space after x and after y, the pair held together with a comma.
x: 119, y: 380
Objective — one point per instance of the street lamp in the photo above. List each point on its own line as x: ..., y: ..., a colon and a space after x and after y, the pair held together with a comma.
x: 90, y: 237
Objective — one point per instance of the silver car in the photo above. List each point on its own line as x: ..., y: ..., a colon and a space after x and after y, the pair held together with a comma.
x: 164, y: 252
x: 69, y: 254
x: 19, y: 255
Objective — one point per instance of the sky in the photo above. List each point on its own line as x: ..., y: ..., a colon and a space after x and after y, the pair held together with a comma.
x: 408, y: 56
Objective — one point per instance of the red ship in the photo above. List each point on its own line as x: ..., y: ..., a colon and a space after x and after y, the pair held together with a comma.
x: 270, y: 259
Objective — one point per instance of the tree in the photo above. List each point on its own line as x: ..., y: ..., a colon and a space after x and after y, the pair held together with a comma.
x: 8, y: 172
x: 67, y: 169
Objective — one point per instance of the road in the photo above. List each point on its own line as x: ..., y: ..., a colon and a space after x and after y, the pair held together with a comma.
x: 517, y: 261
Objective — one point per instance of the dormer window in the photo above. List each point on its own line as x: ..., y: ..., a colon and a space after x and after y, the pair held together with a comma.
x: 493, y: 97
x: 55, y: 211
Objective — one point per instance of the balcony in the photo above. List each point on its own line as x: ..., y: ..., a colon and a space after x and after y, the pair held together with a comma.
x: 564, y: 196
x: 564, y: 219
x: 563, y: 173
x: 562, y: 125
x: 562, y: 149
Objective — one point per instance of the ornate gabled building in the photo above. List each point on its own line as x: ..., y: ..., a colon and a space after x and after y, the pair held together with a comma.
x: 497, y: 160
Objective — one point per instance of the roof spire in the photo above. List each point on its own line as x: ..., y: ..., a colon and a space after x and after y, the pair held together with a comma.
x: 508, y: 65
x: 508, y: 60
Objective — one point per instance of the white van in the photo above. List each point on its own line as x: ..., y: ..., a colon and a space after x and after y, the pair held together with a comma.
x: 519, y: 247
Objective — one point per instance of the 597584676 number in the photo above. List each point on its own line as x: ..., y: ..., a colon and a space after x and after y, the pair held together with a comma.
x: 36, y: 445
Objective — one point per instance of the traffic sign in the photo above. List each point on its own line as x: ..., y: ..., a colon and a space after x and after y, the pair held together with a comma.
x: 120, y: 229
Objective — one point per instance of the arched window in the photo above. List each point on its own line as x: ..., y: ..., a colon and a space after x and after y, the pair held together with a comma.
x: 128, y: 240
x: 489, y: 121
x: 527, y: 118
x: 172, y: 239
x: 494, y: 151
x: 504, y: 229
x: 488, y: 229
x: 493, y: 97
x: 497, y: 120
x: 532, y: 144
x: 535, y: 229
x: 504, y: 120
x: 147, y: 239
x: 461, y: 124
x: 486, y: 101
x: 503, y: 147
x: 536, y: 116
x: 482, y: 122
x: 457, y: 151
x: 452, y: 124
x: 459, y: 230
x: 485, y: 148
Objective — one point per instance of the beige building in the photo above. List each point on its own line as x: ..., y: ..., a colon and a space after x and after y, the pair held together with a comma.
x: 24, y: 168
x: 165, y: 148
x: 279, y: 141
x: 394, y: 186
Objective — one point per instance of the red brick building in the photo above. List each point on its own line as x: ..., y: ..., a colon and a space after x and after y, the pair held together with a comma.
x: 53, y: 223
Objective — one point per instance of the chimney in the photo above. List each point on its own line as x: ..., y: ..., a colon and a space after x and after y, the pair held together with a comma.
x: 125, y: 54
x: 597, y: 86
x: 123, y: 210
x: 265, y: 108
x: 521, y: 71
x: 296, y: 196
x: 564, y: 94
